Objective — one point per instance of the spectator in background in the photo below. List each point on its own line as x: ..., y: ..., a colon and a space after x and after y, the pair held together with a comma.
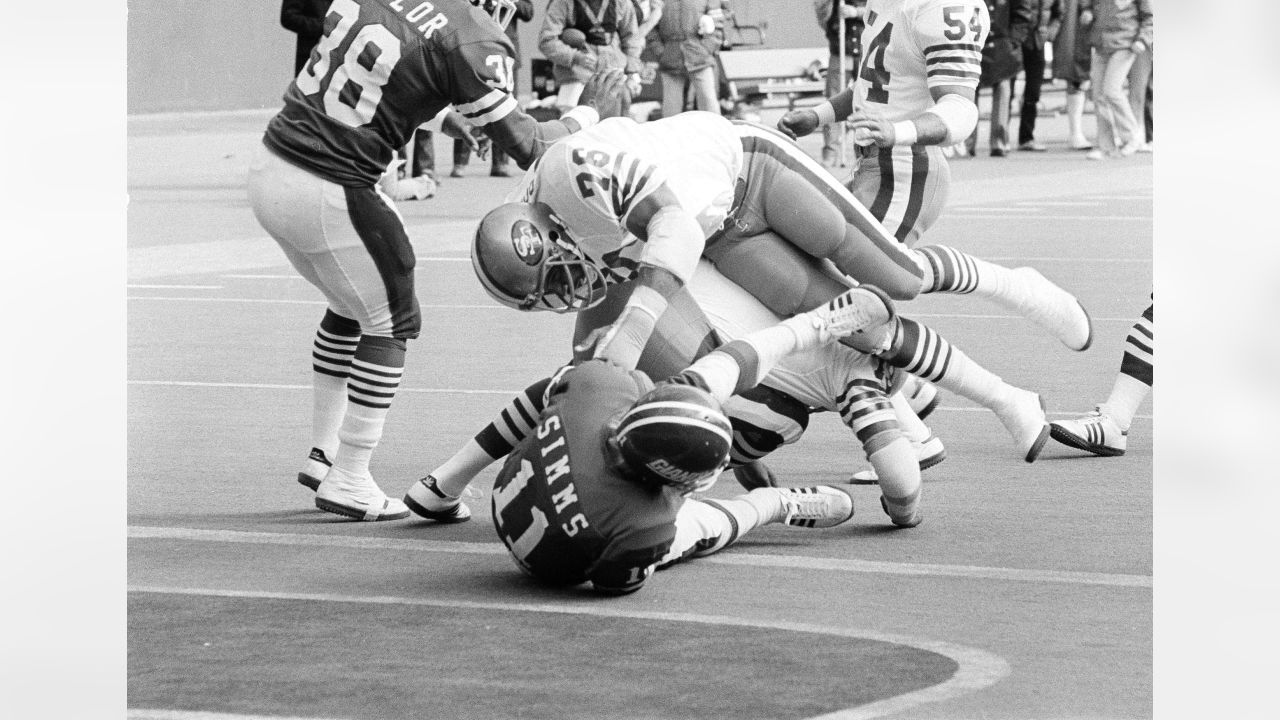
x: 687, y: 32
x: 461, y: 149
x: 1140, y: 76
x: 1011, y: 23
x: 306, y: 18
x: 1119, y: 31
x: 609, y: 38
x: 830, y: 14
x: 1047, y: 18
x: 1071, y: 62
x: 648, y: 13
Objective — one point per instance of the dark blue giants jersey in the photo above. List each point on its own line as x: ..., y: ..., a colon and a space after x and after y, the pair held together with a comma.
x: 384, y: 67
x: 560, y: 506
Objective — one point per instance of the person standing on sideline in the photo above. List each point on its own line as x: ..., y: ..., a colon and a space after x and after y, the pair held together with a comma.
x: 1047, y: 16
x: 379, y: 72
x: 687, y: 32
x: 461, y: 148
x: 1119, y: 31
x: 609, y: 36
x: 306, y: 19
x: 830, y: 14
x: 1140, y: 80
x: 1011, y: 23
x: 1071, y: 62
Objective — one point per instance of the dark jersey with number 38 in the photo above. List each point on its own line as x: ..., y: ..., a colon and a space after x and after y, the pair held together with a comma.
x: 564, y: 512
x: 384, y: 67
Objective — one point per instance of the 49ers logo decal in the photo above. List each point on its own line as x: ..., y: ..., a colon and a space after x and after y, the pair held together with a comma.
x: 527, y: 242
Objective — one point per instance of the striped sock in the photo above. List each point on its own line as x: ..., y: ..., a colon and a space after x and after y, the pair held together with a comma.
x: 1137, y: 371
x: 512, y: 425
x: 375, y: 377
x: 952, y: 271
x: 921, y: 351
x: 331, y: 353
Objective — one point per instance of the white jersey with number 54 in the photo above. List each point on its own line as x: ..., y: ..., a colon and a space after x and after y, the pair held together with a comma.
x: 909, y: 46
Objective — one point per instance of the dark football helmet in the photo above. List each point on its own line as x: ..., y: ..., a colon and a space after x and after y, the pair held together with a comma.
x: 526, y: 260
x: 500, y: 10
x: 676, y: 435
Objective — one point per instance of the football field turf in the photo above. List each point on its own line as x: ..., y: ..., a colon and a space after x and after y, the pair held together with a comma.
x: 1025, y: 593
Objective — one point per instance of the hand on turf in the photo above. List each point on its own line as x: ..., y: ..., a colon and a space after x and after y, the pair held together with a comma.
x: 798, y: 123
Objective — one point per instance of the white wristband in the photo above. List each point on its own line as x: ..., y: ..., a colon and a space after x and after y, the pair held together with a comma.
x: 904, y: 132
x: 584, y: 115
x: 826, y: 113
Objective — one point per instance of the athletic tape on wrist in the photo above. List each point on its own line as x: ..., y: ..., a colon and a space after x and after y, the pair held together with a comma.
x: 584, y: 115
x: 904, y: 132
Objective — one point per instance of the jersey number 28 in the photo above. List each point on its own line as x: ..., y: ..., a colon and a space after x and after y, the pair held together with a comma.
x: 352, y: 94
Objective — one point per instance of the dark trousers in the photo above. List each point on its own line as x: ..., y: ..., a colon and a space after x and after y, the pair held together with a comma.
x: 1033, y: 65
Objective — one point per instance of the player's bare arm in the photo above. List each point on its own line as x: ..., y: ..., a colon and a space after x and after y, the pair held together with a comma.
x: 948, y: 121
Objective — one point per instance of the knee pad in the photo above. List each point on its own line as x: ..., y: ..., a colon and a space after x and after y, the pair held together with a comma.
x: 763, y: 420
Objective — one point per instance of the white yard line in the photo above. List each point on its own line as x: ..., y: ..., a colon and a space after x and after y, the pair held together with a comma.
x: 495, y: 306
x: 986, y: 214
x: 132, y: 286
x: 1070, y: 577
x: 461, y: 391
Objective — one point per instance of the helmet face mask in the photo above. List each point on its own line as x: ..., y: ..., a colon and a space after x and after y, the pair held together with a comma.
x: 675, y: 436
x: 526, y: 260
x: 500, y: 10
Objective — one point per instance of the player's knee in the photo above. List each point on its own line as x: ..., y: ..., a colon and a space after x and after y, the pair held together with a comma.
x: 763, y: 420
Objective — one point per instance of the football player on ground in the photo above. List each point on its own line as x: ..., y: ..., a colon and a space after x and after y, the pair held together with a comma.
x: 598, y: 491
x: 380, y: 70
x: 775, y: 412
x: 627, y: 202
x: 1105, y: 431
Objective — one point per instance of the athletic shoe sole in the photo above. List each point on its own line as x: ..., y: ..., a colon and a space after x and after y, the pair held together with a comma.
x: 860, y: 479
x: 442, y: 516
x: 311, y: 482
x: 356, y: 513
x: 1070, y: 439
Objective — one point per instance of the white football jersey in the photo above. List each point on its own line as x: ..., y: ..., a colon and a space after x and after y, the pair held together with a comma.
x: 592, y: 180
x: 909, y: 46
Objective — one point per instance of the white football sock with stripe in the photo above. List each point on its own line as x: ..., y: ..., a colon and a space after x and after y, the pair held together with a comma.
x: 331, y: 353
x: 375, y: 377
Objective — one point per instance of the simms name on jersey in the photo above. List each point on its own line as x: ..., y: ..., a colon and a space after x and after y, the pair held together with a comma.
x: 560, y: 507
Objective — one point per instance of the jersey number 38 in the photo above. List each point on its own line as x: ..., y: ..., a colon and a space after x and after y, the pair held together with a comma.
x: 352, y: 94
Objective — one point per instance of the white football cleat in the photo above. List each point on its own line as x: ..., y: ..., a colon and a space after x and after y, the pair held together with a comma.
x: 820, y: 506
x: 1023, y: 416
x: 853, y: 310
x: 357, y: 496
x: 930, y: 453
x: 1095, y: 432
x: 315, y: 469
x: 427, y: 500
x: 1036, y: 298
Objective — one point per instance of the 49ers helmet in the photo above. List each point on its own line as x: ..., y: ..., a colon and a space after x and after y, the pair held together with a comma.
x: 525, y: 260
x: 676, y: 435
x: 500, y: 10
